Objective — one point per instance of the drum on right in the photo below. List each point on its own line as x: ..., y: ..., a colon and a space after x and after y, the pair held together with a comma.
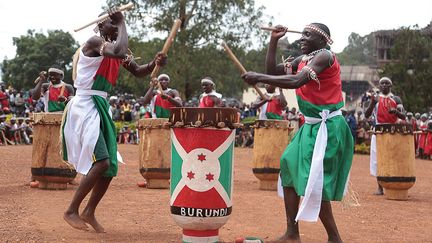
x: 395, y: 159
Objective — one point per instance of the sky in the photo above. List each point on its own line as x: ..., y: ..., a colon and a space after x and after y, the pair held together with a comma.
x: 342, y: 17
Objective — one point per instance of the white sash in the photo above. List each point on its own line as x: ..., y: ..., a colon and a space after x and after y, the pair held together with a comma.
x: 88, y: 92
x: 311, y: 203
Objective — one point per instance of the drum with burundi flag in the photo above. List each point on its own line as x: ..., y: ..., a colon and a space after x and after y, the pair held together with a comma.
x: 202, y: 170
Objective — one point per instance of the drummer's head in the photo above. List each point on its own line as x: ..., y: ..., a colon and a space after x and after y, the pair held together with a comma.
x: 207, y: 85
x: 270, y: 88
x: 55, y: 75
x: 164, y: 80
x: 424, y: 117
x: 385, y: 85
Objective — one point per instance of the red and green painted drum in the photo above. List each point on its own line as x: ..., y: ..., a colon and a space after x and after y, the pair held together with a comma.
x: 202, y: 152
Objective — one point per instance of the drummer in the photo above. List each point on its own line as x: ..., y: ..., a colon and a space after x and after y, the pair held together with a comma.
x: 161, y: 103
x: 209, y: 97
x: 272, y: 107
x: 386, y: 108
x: 56, y: 93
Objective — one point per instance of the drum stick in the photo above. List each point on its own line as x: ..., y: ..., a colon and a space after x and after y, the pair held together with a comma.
x: 38, y: 79
x: 165, y: 48
x: 240, y: 67
x: 105, y: 16
x: 273, y: 29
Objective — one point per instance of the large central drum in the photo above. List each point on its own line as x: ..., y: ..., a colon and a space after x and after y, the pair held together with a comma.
x: 202, y: 170
x: 47, y: 165
x: 395, y: 159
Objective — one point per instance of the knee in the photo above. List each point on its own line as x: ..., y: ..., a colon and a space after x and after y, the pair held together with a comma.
x: 103, y: 165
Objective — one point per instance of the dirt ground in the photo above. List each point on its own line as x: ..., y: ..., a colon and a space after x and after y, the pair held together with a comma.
x: 133, y: 214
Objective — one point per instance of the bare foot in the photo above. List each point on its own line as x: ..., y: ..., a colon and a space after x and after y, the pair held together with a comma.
x: 379, y: 192
x: 75, y: 221
x: 90, y: 219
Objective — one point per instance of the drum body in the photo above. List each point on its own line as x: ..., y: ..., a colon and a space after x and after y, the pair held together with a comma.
x: 202, y: 170
x: 155, y: 152
x: 48, y: 166
x: 271, y: 137
x: 395, y: 159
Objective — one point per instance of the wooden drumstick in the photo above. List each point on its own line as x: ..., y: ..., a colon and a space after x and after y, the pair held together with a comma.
x: 105, y: 16
x: 165, y: 48
x: 240, y: 67
x: 38, y: 79
x: 270, y: 28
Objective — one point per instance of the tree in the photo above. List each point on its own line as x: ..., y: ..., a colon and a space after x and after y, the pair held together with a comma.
x: 411, y: 69
x: 358, y: 52
x: 195, y: 52
x: 36, y: 52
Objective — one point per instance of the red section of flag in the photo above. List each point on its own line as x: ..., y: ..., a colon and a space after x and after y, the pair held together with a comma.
x: 201, y: 233
x: 109, y: 69
x: 200, y: 138
x: 192, y: 199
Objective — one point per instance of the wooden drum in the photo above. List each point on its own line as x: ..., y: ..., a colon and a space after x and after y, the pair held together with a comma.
x: 202, y: 170
x: 271, y: 137
x: 155, y: 152
x: 48, y: 166
x: 395, y: 159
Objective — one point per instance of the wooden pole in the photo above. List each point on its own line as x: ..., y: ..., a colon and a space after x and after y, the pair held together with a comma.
x: 240, y: 67
x: 165, y: 49
x: 105, y: 16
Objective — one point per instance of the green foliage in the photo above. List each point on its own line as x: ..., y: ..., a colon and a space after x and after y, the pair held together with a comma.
x: 358, y: 52
x: 249, y: 120
x: 411, y: 71
x: 195, y: 53
x: 36, y: 52
x: 362, y: 149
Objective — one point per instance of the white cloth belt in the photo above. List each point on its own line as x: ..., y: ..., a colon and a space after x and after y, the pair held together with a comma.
x: 88, y: 92
x: 311, y: 203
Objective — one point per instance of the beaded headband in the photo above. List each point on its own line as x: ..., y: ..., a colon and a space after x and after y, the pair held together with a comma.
x: 321, y: 32
x: 55, y: 70
x: 385, y: 79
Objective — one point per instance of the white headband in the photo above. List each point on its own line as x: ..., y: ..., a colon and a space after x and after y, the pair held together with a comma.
x: 385, y: 79
x: 163, y: 76
x: 206, y: 80
x: 321, y: 32
x: 56, y: 70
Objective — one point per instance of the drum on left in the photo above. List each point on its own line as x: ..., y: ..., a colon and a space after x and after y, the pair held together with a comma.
x: 47, y: 165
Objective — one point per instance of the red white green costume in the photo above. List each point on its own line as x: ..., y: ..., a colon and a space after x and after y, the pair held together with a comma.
x: 206, y: 101
x: 272, y: 109
x: 317, y: 161
x: 160, y: 107
x: 88, y: 124
x: 51, y: 95
x: 382, y: 115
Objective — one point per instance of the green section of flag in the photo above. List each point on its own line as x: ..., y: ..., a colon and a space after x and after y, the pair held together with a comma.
x: 161, y: 112
x: 225, y: 161
x: 271, y: 115
x: 101, y: 83
x: 176, y: 166
x: 55, y: 106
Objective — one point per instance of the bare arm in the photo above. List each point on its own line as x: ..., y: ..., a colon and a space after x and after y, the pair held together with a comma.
x: 145, y: 69
x: 292, y: 81
x: 38, y: 89
x: 282, y: 99
x: 372, y: 104
x: 258, y: 103
x: 150, y: 93
x: 173, y: 97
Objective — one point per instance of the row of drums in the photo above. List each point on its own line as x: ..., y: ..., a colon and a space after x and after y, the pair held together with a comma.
x: 191, y: 153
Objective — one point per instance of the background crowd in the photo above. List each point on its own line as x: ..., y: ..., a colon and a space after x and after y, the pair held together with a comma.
x: 16, y: 108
